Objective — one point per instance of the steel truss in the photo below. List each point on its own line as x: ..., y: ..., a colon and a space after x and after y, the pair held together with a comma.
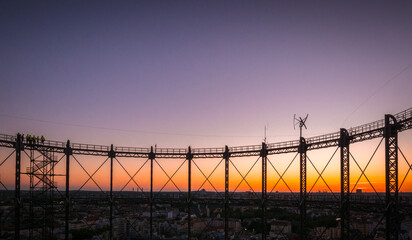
x: 263, y: 155
x: 391, y: 170
x: 42, y: 190
x: 387, y: 128
x: 226, y: 156
x: 344, y: 184
x: 302, y: 199
x: 19, y: 147
x: 68, y: 152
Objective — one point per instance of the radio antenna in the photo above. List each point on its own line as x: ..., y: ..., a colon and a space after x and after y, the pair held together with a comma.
x: 264, y: 139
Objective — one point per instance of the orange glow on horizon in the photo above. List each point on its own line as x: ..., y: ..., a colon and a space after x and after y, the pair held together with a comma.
x: 202, y: 168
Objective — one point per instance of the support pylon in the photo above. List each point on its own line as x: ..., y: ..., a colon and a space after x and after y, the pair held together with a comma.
x: 67, y: 151
x: 189, y: 157
x: 344, y: 184
x: 263, y: 155
x: 152, y: 157
x: 226, y: 156
x: 17, y: 200
x: 302, y: 203
x: 391, y: 174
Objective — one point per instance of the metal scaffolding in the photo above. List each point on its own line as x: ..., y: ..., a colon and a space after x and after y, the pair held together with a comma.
x: 42, y: 189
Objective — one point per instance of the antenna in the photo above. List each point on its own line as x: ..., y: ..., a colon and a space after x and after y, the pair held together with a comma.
x: 264, y: 139
x: 301, y: 122
x: 294, y: 120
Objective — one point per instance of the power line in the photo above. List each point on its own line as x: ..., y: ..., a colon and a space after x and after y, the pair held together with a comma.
x: 376, y: 91
x: 131, y: 130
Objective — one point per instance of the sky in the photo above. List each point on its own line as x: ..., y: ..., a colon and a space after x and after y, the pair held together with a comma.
x: 200, y: 73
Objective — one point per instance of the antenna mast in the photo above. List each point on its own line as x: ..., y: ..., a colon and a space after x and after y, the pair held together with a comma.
x: 264, y: 140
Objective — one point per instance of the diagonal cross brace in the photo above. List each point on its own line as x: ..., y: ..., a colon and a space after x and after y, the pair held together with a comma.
x: 244, y: 178
x: 90, y: 176
x: 320, y: 174
x: 7, y: 157
x: 207, y: 178
x: 131, y: 177
x: 409, y: 167
x: 170, y: 178
x: 363, y: 171
x: 281, y: 176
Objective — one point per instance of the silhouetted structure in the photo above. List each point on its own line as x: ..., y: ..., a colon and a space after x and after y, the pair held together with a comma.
x: 43, y: 171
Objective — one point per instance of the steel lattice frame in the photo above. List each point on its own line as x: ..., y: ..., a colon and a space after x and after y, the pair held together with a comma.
x: 42, y: 188
x: 226, y: 157
x: 263, y: 155
x: 387, y: 128
x: 302, y: 199
x: 19, y: 148
x: 68, y: 152
x: 391, y: 170
x: 152, y: 157
x: 189, y: 158
x: 112, y: 155
x: 345, y: 184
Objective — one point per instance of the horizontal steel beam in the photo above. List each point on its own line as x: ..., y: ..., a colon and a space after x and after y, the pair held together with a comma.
x: 357, y: 134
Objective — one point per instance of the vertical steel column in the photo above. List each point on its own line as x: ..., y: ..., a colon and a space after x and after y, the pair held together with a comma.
x: 151, y: 157
x: 391, y: 170
x: 17, y: 205
x: 189, y: 157
x: 302, y: 205
x: 344, y: 184
x: 264, y: 154
x: 226, y: 156
x: 68, y: 151
x: 32, y: 186
x: 112, y: 155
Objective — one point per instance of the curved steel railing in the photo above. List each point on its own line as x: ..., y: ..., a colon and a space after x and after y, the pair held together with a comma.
x: 359, y: 133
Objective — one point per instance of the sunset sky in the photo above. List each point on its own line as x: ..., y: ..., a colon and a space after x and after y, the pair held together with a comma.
x: 204, y: 74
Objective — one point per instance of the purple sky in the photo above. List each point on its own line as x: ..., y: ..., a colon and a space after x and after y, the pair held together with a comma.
x: 200, y: 73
